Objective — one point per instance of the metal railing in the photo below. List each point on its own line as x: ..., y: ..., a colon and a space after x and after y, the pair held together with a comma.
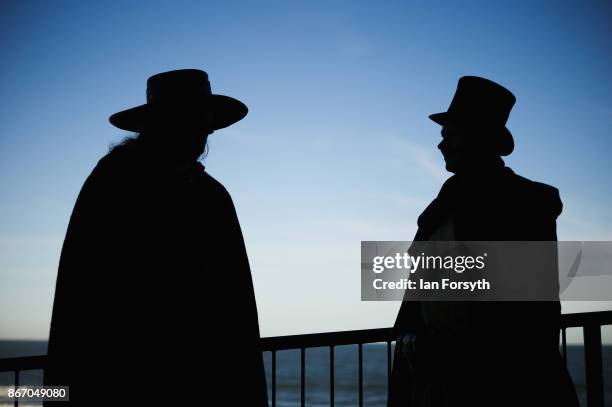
x: 591, y: 322
x: 329, y: 339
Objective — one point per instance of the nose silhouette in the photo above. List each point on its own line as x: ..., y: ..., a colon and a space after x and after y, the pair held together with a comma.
x: 443, y: 146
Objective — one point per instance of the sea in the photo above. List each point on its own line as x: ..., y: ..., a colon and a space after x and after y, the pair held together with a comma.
x: 317, y: 390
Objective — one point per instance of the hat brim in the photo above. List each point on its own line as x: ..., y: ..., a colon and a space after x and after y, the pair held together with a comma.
x: 226, y: 111
x: 504, y: 142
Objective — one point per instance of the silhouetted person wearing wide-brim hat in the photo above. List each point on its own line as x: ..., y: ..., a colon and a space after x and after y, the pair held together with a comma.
x: 154, y: 300
x: 482, y: 353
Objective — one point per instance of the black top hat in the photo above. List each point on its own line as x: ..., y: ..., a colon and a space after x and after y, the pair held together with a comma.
x: 481, y: 104
x: 180, y: 90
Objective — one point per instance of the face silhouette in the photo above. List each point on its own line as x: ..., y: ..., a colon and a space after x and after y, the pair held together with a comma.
x: 466, y: 149
x: 455, y: 147
x: 185, y: 133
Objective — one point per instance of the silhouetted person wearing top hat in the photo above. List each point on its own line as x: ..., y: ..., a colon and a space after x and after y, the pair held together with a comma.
x: 497, y: 353
x: 154, y: 300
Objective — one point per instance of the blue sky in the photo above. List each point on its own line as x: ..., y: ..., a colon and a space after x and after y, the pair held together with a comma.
x: 337, y: 147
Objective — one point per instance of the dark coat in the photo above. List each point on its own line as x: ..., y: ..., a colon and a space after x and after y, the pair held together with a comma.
x: 154, y: 297
x: 508, y: 353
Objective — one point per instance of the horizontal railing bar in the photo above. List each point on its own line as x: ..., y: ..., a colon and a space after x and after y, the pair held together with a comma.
x: 325, y: 339
x: 23, y: 363
x: 580, y: 319
x: 385, y: 334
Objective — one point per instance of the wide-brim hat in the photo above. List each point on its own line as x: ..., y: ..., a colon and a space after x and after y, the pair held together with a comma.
x: 481, y: 104
x: 171, y: 94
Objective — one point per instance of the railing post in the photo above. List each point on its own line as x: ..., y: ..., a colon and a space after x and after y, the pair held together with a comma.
x: 360, y: 375
x: 389, y: 365
x: 303, y: 377
x: 564, y: 345
x: 273, y: 378
x: 593, y: 365
x: 16, y: 402
x: 331, y: 376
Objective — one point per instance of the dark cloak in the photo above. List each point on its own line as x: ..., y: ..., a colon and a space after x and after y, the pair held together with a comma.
x: 154, y: 298
x: 508, y: 354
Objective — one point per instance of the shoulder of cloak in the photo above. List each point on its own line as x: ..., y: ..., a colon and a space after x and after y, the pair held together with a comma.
x: 525, y: 196
x: 511, y: 192
x: 110, y: 185
x: 214, y: 189
x: 542, y: 199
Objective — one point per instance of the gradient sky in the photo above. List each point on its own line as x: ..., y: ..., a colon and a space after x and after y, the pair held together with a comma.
x: 337, y: 147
